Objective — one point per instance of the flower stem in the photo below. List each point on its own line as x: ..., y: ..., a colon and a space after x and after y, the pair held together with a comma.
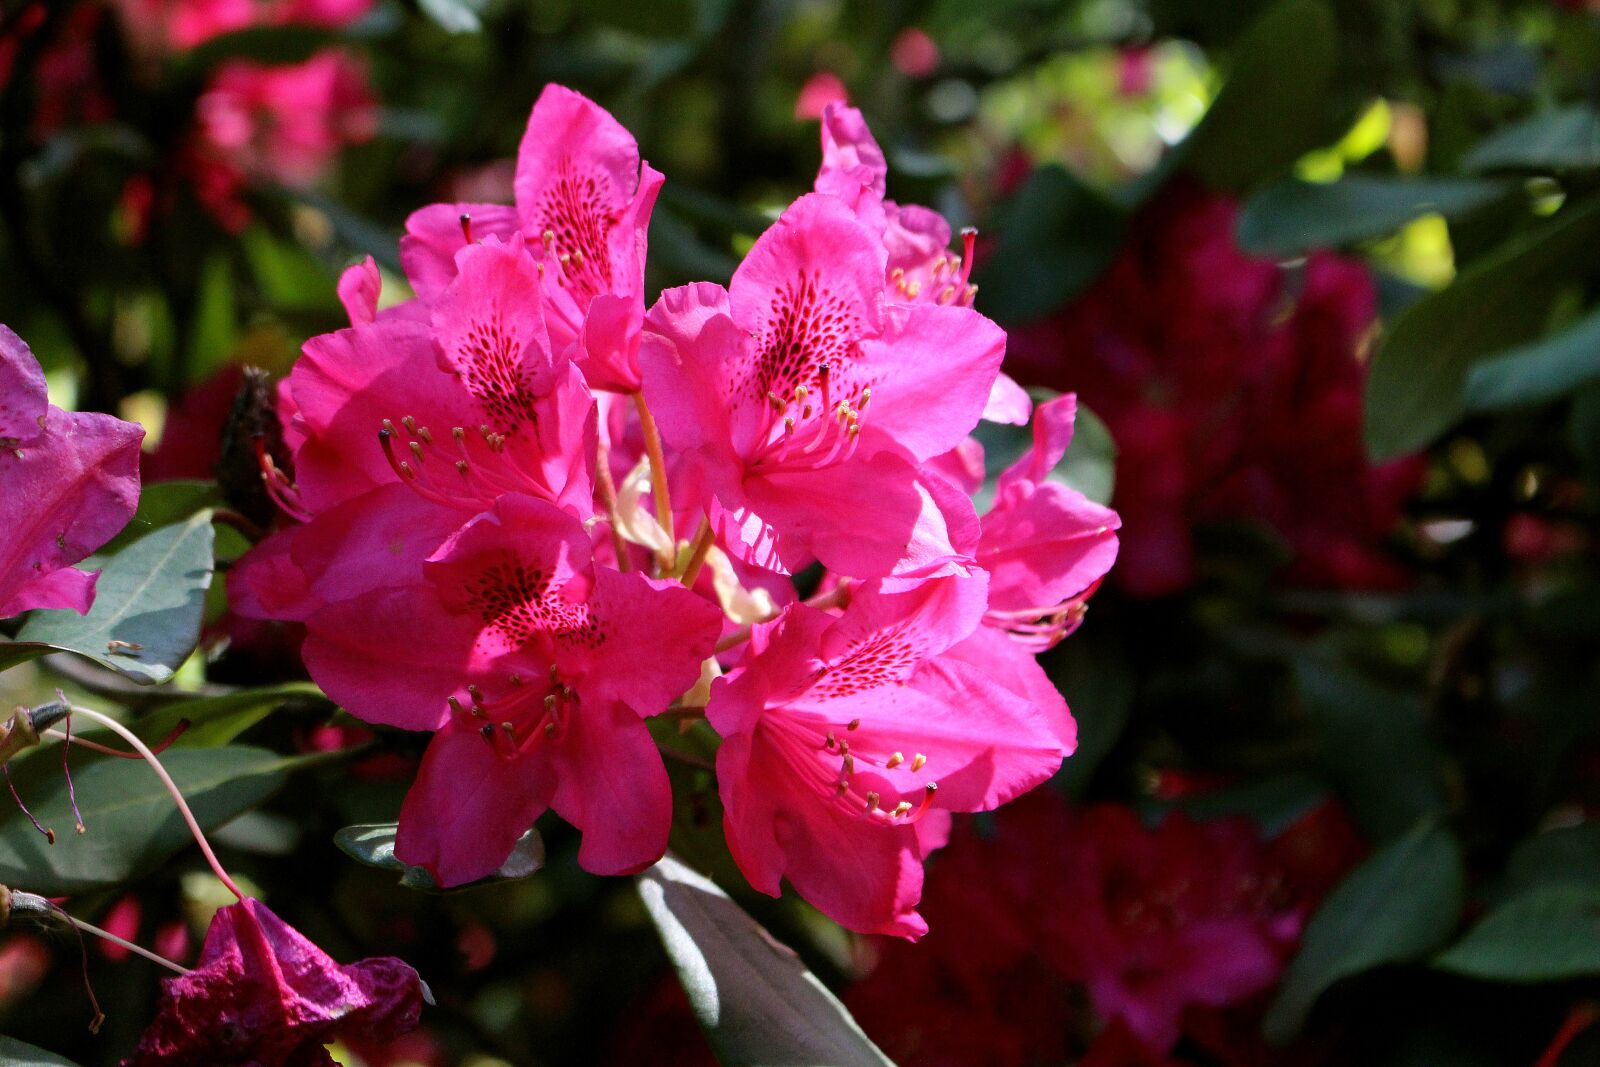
x: 606, y: 490
x: 697, y: 556
x: 658, y: 467
x: 90, y: 928
x: 177, y: 797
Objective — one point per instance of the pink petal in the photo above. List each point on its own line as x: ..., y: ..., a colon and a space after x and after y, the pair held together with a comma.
x: 1008, y: 402
x: 469, y: 806
x: 358, y: 289
x: 65, y: 588
x: 1045, y: 547
x: 853, y: 168
x: 79, y: 480
x: 690, y: 341
x: 1052, y: 435
x: 23, y: 394
x: 657, y: 635
x: 613, y: 787
x: 490, y: 330
x: 434, y: 235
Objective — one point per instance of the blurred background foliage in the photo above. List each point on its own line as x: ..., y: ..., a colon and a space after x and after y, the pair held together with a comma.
x: 1324, y: 271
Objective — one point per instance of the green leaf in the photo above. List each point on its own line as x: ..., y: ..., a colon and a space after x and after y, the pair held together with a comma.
x: 454, y: 16
x: 1291, y: 216
x: 1416, y: 389
x: 1549, y: 934
x: 1567, y: 139
x: 14, y: 1053
x: 1548, y: 368
x: 147, y: 607
x: 1270, y: 111
x: 215, y: 721
x: 755, y: 999
x: 264, y: 44
x: 1099, y: 687
x: 1568, y: 856
x: 1396, y: 907
x: 162, y: 504
x: 1057, y: 236
x: 1374, y: 746
x: 373, y: 844
x: 132, y: 824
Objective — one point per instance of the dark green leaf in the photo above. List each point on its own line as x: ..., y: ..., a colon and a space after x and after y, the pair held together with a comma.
x: 1270, y: 112
x: 218, y: 720
x: 147, y: 607
x: 132, y: 823
x: 14, y: 1053
x: 264, y: 44
x: 1397, y: 906
x: 1548, y: 934
x: 1583, y: 428
x: 1292, y: 216
x: 1548, y: 368
x: 1568, y: 856
x: 1099, y: 689
x: 755, y: 999
x: 1417, y: 386
x: 162, y: 504
x: 1374, y: 746
x: 1273, y: 804
x: 373, y: 844
x: 1057, y: 235
x: 1568, y: 139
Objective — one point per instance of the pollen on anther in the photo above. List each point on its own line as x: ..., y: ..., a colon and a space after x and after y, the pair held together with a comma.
x: 895, y: 761
x: 549, y: 729
x: 830, y: 741
x: 416, y: 450
x: 461, y: 467
x: 550, y: 702
x: 849, y: 765
x: 917, y: 761
x: 872, y: 802
x: 410, y: 424
x: 855, y: 724
x: 902, y: 808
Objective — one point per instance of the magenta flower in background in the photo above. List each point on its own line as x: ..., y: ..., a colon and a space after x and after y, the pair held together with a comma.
x: 263, y: 994
x: 69, y: 481
x: 848, y: 739
x: 184, y: 24
x: 807, y: 398
x: 287, y: 123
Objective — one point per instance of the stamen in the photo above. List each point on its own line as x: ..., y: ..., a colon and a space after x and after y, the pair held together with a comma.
x: 466, y: 227
x: 895, y: 761
x: 918, y: 762
x: 72, y: 793
x: 49, y: 834
x: 855, y: 724
x: 872, y: 801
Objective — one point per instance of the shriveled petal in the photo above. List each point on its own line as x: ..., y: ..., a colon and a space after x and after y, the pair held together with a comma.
x: 74, y: 485
x: 23, y: 393
x: 469, y: 806
x: 359, y: 287
x: 613, y: 786
x: 435, y: 234
x: 264, y: 994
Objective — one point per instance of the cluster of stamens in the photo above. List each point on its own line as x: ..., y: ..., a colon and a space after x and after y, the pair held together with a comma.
x: 514, y: 721
x: 946, y: 279
x: 871, y: 803
x: 469, y: 469
x: 806, y: 431
x: 1042, y: 628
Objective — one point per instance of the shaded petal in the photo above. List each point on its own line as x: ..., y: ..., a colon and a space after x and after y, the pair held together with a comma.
x: 23, y: 393
x: 469, y: 806
x: 79, y: 481
x: 657, y: 633
x: 65, y: 588
x: 1008, y: 402
x: 1045, y: 547
x: 490, y: 330
x: 1052, y: 435
x: 612, y: 786
x: 359, y: 287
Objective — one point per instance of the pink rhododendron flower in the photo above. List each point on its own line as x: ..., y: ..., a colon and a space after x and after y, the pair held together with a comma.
x: 807, y: 398
x: 69, y: 482
x: 921, y: 267
x: 581, y: 191
x: 1227, y: 398
x: 287, y: 123
x: 821, y: 89
x: 537, y: 673
x: 263, y: 994
x: 183, y: 24
x: 914, y: 53
x: 847, y: 739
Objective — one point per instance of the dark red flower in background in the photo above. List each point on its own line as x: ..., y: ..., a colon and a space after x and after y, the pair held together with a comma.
x: 1233, y: 388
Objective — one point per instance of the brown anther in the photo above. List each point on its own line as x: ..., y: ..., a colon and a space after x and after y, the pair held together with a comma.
x: 849, y: 765
x: 577, y: 256
x: 895, y: 761
x: 475, y: 693
x: 459, y: 433
x: 388, y: 427
x: 844, y: 748
x: 801, y: 392
x: 855, y: 724
x: 830, y: 742
x: 549, y: 729
x: 516, y: 680
x: 917, y: 761
x: 788, y: 422
x: 902, y: 808
x: 461, y: 467
x: 550, y: 702
x: 872, y: 802
x: 842, y: 787
x: 416, y: 450
x: 510, y: 730
x: 410, y: 424
x: 406, y: 471
x: 549, y: 238
x: 427, y: 437
x: 455, y: 705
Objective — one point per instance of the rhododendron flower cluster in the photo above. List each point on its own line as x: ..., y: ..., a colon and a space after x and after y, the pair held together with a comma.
x: 1234, y: 391
x: 526, y: 513
x: 78, y: 472
x: 1168, y: 929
